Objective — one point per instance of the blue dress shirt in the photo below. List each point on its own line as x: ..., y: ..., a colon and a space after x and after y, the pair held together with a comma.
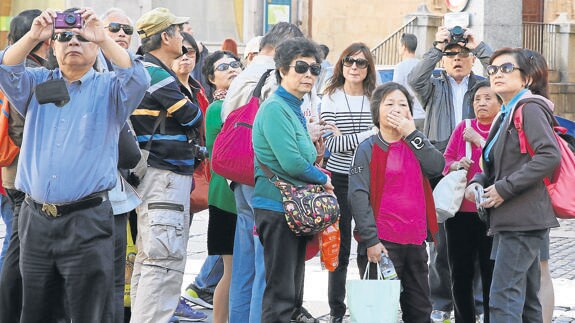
x: 70, y: 152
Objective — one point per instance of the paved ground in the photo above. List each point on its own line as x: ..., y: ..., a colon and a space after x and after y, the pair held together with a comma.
x: 315, y: 297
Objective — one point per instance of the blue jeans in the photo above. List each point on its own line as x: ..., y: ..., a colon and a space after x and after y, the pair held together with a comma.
x: 516, y: 277
x: 210, y: 274
x: 248, y: 275
x: 7, y: 216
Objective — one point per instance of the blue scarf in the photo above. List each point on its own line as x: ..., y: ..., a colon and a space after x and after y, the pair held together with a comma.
x: 505, y: 109
x: 294, y: 103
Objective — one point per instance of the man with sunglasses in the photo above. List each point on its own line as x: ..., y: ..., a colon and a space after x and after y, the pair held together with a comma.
x: 447, y: 101
x: 67, y: 164
x: 165, y: 124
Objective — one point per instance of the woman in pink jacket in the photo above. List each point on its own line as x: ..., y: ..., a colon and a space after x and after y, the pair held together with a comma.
x: 467, y: 239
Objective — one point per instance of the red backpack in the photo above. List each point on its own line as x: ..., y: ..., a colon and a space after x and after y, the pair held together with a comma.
x: 8, y: 149
x: 233, y: 152
x: 562, y: 184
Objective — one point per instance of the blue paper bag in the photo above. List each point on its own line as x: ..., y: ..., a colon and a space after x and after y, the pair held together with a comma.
x: 373, y: 301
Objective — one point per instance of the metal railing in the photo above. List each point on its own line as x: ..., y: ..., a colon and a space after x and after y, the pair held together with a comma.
x: 386, y: 52
x: 542, y: 38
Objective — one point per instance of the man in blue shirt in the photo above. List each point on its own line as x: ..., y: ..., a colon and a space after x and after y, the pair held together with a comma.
x: 67, y: 164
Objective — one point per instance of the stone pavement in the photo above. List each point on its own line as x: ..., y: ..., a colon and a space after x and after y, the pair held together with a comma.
x: 315, y: 296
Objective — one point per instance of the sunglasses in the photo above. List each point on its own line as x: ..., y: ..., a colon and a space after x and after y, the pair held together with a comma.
x: 224, y: 66
x: 359, y: 62
x: 115, y: 27
x: 505, y: 68
x: 191, y: 52
x: 302, y: 67
x: 66, y: 36
x: 461, y: 54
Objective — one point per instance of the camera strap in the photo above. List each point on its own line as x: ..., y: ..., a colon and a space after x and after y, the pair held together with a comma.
x: 159, y: 120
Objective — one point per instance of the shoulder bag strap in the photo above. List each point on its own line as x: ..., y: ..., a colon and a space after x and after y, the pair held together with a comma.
x: 160, y: 119
x: 258, y: 90
x: 467, y: 143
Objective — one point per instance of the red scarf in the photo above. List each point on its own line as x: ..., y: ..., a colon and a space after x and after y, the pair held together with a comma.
x: 377, y: 167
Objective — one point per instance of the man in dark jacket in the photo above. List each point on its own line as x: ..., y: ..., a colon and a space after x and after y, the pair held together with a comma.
x: 163, y: 216
x: 447, y: 100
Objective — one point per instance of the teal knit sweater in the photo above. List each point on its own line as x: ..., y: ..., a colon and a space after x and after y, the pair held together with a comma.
x: 282, y: 143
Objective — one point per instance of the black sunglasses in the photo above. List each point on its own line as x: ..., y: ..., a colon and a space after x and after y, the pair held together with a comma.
x: 348, y: 61
x: 115, y: 27
x: 66, y: 36
x: 505, y: 68
x: 224, y: 66
x: 302, y: 67
x: 461, y: 54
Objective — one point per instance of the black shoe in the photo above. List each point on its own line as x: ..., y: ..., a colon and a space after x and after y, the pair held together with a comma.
x: 301, y: 315
x: 336, y: 319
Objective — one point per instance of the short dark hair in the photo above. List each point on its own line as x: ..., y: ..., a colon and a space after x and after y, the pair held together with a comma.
x: 278, y: 33
x: 208, y: 69
x: 380, y: 93
x: 338, y: 80
x: 21, y: 24
x: 155, y: 41
x: 482, y: 84
x: 289, y: 49
x: 325, y: 50
x: 190, y: 39
x: 520, y: 58
x: 537, y: 69
x: 409, y: 41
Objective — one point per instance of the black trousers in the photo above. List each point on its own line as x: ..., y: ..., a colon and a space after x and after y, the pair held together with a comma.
x: 120, y: 222
x: 67, y: 260
x: 284, y: 258
x: 467, y: 243
x: 410, y: 262
x: 10, y: 278
x: 337, y: 278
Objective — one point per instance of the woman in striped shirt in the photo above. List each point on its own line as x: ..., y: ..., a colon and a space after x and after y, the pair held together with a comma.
x: 345, y: 108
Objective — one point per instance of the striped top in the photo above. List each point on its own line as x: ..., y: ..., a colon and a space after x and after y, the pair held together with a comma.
x: 354, y: 122
x: 171, y: 148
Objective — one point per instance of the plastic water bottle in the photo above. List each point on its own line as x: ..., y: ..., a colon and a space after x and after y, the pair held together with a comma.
x: 387, y: 268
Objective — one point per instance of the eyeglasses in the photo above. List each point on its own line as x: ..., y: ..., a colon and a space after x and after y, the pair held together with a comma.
x: 461, y: 54
x: 505, y: 68
x: 224, y: 66
x: 66, y: 36
x: 302, y: 67
x: 115, y: 27
x: 348, y: 61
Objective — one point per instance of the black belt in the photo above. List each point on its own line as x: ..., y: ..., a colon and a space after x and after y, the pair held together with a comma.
x: 57, y: 210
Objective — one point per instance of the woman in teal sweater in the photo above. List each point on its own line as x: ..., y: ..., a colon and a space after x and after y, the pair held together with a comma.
x: 282, y: 143
x: 219, y: 69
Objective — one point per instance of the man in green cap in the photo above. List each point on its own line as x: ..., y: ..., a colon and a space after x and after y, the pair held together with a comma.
x: 165, y: 124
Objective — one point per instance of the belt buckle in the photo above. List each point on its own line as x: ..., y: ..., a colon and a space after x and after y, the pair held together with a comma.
x: 50, y: 209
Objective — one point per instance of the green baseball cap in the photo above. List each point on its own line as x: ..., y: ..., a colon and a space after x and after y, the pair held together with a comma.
x: 157, y: 20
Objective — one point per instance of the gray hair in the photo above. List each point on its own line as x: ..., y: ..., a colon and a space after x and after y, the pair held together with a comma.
x: 155, y: 41
x: 118, y: 11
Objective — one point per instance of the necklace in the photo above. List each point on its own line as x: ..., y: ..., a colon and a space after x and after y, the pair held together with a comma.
x: 479, y: 125
x: 349, y: 109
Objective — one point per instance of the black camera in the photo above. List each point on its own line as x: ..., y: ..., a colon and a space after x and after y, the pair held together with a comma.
x: 457, y: 36
x: 201, y: 152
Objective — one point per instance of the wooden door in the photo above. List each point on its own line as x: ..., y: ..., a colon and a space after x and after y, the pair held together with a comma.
x: 532, y: 10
